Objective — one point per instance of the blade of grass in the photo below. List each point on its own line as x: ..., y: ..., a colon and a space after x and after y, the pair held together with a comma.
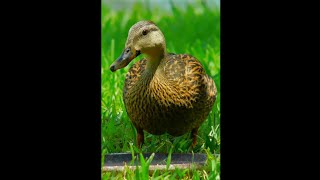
x: 169, y: 158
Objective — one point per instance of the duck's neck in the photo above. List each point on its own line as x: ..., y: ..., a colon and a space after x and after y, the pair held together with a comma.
x: 152, y: 73
x: 153, y: 60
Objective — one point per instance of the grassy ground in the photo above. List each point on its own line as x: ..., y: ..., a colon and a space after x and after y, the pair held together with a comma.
x: 194, y: 30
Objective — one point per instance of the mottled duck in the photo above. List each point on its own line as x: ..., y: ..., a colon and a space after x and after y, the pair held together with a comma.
x: 164, y: 92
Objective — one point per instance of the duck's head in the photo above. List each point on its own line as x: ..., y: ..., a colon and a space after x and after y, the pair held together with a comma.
x: 144, y: 37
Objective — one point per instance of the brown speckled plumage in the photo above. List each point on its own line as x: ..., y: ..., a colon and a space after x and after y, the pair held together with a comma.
x: 175, y: 95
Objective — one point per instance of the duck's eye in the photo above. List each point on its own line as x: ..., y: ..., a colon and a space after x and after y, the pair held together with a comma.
x: 144, y: 32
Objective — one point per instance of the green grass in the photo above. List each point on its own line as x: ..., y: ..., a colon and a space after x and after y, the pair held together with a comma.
x: 194, y: 31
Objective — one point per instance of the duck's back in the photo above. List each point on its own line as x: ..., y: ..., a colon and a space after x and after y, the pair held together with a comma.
x: 177, y: 99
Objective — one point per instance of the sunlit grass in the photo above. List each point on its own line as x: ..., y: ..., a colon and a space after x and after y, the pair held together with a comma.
x: 186, y: 31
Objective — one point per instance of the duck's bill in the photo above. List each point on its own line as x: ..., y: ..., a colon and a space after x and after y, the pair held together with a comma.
x: 125, y: 58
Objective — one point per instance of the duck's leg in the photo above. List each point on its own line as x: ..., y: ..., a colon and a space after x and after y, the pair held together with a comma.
x: 140, y: 137
x: 194, y: 134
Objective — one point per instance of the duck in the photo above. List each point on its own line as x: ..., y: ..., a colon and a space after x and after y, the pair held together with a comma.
x: 163, y: 92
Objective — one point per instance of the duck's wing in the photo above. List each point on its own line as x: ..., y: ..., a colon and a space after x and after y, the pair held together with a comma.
x: 183, y: 70
x: 188, y: 77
